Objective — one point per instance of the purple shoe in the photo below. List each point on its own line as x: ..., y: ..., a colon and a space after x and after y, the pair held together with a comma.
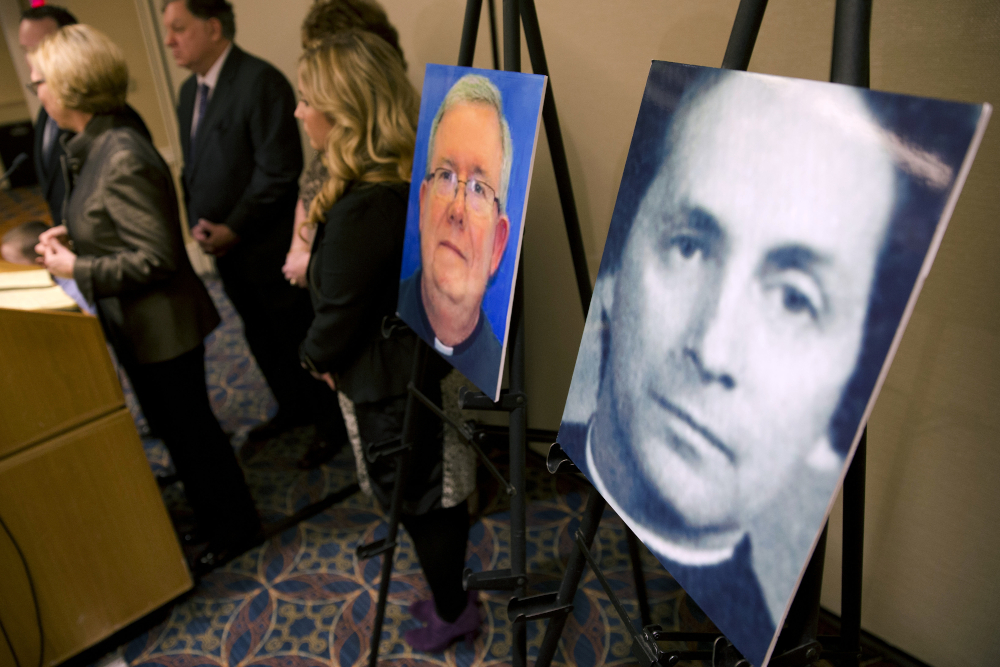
x: 437, y: 635
x: 422, y: 610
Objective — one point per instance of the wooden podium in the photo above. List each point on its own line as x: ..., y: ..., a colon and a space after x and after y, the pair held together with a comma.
x: 76, y: 494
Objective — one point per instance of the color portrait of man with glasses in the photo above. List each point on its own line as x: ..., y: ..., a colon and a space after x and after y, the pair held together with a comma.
x: 464, y: 229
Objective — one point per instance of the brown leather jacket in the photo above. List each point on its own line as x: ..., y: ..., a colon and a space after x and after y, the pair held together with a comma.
x: 122, y: 216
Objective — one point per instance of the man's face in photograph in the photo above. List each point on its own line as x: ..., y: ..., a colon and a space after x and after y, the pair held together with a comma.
x: 463, y: 233
x: 740, y: 304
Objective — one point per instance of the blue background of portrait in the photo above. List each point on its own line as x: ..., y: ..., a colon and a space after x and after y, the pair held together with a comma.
x: 522, y: 105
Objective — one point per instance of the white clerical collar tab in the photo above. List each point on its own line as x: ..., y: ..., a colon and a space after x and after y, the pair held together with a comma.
x: 647, y: 534
x: 442, y: 348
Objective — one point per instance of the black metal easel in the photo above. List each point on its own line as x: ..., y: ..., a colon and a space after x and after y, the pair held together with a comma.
x: 520, y: 608
x: 798, y: 644
x: 513, y: 400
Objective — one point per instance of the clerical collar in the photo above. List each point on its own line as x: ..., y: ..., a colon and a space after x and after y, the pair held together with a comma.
x: 446, y: 350
x: 670, y: 550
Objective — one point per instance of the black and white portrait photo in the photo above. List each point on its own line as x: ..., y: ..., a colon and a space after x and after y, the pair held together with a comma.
x: 767, y: 245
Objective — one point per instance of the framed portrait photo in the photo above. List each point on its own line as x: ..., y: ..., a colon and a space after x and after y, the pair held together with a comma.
x: 767, y: 246
x: 472, y: 165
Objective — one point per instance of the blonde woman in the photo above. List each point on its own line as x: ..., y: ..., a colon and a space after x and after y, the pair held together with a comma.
x: 325, y: 19
x: 358, y: 108
x: 121, y: 241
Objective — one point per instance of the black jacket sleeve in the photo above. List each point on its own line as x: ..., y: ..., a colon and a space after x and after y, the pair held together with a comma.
x: 354, y: 275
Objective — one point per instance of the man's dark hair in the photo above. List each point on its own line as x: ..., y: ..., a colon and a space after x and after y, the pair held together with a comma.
x: 212, y: 9
x: 329, y: 17
x: 60, y: 15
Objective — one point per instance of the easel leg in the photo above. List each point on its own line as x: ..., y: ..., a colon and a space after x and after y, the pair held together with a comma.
x: 852, y: 28
x: 853, y: 555
x: 851, y: 65
x: 638, y: 576
x: 571, y: 578
x: 749, y: 16
x: 402, y: 467
x: 536, y: 51
x: 518, y: 416
x: 470, y: 30
x: 518, y: 440
x: 402, y: 463
x: 493, y: 34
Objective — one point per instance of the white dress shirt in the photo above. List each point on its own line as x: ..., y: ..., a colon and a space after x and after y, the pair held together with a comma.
x: 210, y: 79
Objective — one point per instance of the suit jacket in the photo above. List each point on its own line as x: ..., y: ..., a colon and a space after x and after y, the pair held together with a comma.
x: 50, y: 178
x: 354, y: 282
x: 122, y: 216
x: 247, y: 161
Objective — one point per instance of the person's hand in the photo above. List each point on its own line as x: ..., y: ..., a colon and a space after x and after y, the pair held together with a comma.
x: 57, y: 258
x: 215, y: 239
x: 57, y: 233
x: 325, y: 377
x: 296, y: 265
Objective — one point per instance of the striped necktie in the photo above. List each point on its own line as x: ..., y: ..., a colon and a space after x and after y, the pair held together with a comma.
x: 199, y: 117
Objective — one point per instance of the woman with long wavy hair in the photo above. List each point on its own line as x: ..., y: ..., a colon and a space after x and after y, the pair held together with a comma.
x: 360, y: 111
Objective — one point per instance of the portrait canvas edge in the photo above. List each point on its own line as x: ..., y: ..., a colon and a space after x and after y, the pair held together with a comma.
x: 520, y: 237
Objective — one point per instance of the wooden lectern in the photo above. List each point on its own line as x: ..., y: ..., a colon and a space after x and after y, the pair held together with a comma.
x: 76, y: 494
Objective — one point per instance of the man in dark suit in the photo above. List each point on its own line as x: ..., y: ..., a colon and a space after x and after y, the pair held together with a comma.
x: 242, y: 159
x: 36, y: 24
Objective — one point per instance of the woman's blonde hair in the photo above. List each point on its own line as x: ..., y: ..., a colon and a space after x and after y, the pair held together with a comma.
x: 357, y: 80
x: 83, y: 68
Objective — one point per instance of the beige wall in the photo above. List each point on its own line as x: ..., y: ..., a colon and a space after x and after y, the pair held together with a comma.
x: 12, y: 105
x: 931, y: 562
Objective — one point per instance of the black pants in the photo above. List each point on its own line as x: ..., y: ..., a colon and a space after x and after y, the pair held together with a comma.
x: 275, y: 318
x: 174, y: 398
x: 439, y: 534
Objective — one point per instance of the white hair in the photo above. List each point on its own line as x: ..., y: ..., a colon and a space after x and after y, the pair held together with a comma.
x: 477, y: 89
